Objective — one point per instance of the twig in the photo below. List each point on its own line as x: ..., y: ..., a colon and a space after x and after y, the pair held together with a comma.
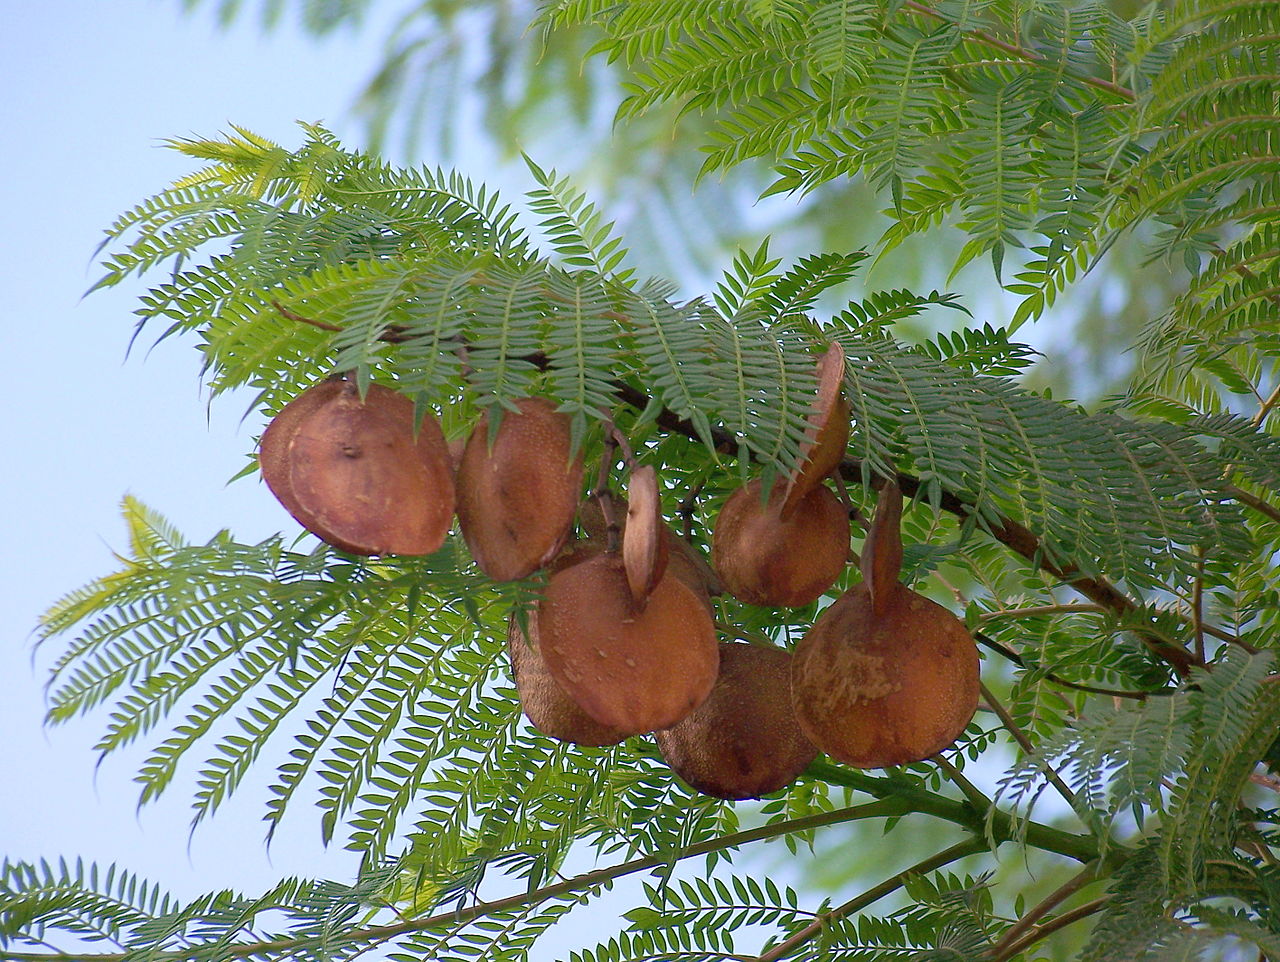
x: 1021, y: 738
x: 970, y: 791
x: 1022, y: 53
x: 1039, y: 911
x: 1017, y: 659
x: 1058, y: 922
x: 891, y: 884
x: 1253, y: 501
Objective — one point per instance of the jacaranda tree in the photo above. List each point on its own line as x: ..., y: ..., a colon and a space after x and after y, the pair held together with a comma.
x: 1113, y: 797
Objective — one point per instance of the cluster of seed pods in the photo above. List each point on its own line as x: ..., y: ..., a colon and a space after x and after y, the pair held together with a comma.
x: 623, y: 641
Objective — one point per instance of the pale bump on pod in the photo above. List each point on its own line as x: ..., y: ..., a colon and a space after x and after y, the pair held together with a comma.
x: 828, y: 433
x: 549, y: 709
x: 632, y: 670
x: 517, y: 498
x: 878, y: 689
x: 362, y: 474
x: 765, y: 559
x: 743, y: 741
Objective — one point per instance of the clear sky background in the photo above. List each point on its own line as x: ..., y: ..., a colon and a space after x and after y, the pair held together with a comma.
x: 90, y: 89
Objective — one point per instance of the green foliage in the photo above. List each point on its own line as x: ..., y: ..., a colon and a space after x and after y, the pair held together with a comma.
x: 1116, y: 564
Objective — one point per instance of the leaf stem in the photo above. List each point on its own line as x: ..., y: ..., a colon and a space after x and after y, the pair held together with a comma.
x: 1021, y: 738
x: 859, y: 902
x: 1046, y: 905
x: 1057, y: 922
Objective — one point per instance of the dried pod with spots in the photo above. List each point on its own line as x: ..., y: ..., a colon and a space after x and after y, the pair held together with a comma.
x: 361, y: 474
x: 828, y: 433
x: 630, y: 669
x: 544, y: 702
x: 743, y: 741
x: 766, y: 559
x: 878, y: 689
x: 517, y: 497
x: 644, y: 537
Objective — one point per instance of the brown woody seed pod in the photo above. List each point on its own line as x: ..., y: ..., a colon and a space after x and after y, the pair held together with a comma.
x: 630, y: 669
x: 878, y: 689
x: 361, y: 474
x: 544, y: 703
x: 765, y: 559
x: 743, y: 741
x: 516, y: 499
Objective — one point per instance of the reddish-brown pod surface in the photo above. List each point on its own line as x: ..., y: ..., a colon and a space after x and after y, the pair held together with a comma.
x: 630, y: 669
x: 683, y: 560
x: 543, y: 702
x: 644, y: 535
x: 273, y: 449
x: 882, y: 550
x: 743, y: 741
x: 765, y: 559
x: 517, y: 498
x: 362, y: 478
x: 828, y: 434
x: 874, y: 690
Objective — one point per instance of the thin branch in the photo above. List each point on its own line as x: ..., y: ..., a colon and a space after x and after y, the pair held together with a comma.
x: 1021, y: 738
x: 886, y: 807
x: 1253, y: 501
x: 1017, y: 659
x: 1058, y: 922
x: 891, y: 884
x: 970, y: 791
x: 1046, y: 905
x: 1022, y: 53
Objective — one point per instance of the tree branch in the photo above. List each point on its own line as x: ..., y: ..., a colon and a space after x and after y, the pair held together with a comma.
x: 1022, y: 53
x: 885, y: 807
x: 1058, y: 922
x: 1017, y: 659
x: 891, y: 884
x: 1008, y: 532
x: 1036, y: 913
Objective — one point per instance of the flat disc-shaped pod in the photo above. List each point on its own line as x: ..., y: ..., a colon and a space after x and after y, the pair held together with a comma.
x: 273, y: 449
x: 828, y: 433
x: 544, y: 702
x: 632, y: 670
x: 879, y: 690
x: 743, y: 741
x: 766, y: 559
x: 517, y: 498
x: 365, y: 481
x: 644, y: 537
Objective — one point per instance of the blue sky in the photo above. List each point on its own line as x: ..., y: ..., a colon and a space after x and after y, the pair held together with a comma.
x: 92, y: 88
